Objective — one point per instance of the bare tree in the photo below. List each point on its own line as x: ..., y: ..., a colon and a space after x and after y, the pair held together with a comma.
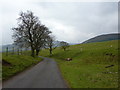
x: 41, y: 36
x: 30, y: 32
x: 50, y: 44
x: 64, y: 45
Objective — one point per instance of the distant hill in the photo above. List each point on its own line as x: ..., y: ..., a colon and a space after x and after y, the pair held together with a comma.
x: 104, y: 37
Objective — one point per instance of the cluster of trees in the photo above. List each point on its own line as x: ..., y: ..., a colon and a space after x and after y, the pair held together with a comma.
x: 31, y: 33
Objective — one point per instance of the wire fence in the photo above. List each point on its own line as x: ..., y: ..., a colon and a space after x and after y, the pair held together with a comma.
x: 15, y: 51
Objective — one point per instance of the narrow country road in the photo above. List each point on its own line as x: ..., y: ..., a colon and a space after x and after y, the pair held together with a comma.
x: 43, y: 75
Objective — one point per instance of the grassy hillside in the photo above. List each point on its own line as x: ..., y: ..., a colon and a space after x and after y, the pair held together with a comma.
x: 13, y: 64
x: 87, y: 69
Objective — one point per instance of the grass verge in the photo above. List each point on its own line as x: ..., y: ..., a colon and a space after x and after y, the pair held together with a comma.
x: 13, y: 64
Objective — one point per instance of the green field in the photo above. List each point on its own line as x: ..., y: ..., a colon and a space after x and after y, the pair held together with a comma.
x: 14, y: 64
x: 87, y: 68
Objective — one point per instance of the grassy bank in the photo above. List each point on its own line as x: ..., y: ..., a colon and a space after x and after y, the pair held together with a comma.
x: 13, y: 64
x: 0, y: 67
x: 87, y: 68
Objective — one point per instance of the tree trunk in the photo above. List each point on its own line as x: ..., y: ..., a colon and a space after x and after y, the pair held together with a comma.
x: 50, y: 51
x: 37, y: 52
x: 64, y: 49
x: 33, y: 52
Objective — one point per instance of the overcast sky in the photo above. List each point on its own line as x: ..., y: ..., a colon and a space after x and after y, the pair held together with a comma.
x: 69, y: 21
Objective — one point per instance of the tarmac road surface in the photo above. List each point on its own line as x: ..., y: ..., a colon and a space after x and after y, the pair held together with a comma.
x: 43, y: 75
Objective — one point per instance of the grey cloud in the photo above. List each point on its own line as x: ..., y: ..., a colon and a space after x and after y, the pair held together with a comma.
x: 94, y: 17
x: 71, y: 21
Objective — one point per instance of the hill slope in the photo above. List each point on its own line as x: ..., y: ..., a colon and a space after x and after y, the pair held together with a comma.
x: 87, y: 68
x: 105, y: 37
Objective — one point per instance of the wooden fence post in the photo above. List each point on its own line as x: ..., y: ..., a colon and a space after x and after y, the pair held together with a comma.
x: 18, y: 51
x: 6, y: 51
x: 21, y: 51
x: 13, y: 50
